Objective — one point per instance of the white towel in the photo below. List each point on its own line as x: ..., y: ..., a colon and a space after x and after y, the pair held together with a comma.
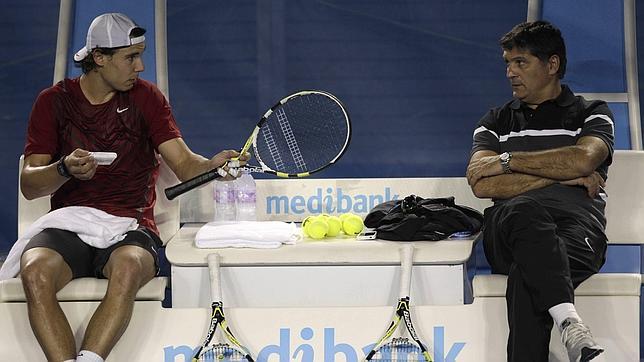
x: 95, y: 227
x: 246, y: 234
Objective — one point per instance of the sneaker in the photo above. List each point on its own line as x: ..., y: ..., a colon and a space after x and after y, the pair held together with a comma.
x: 578, y: 340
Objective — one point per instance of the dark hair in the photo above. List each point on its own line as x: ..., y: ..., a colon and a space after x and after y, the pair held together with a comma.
x: 540, y: 38
x: 88, y: 63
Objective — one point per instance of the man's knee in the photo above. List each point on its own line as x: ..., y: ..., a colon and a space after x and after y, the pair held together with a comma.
x: 131, y: 263
x: 43, y: 270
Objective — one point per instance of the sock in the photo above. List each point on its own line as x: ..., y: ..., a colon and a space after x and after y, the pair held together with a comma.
x: 562, y: 311
x: 88, y: 356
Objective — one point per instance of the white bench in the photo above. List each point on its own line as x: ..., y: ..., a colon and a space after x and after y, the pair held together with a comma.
x: 610, y: 302
x: 166, y: 214
x: 354, y: 271
x: 83, y: 290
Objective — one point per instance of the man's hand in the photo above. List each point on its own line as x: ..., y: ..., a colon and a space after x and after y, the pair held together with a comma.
x: 224, y: 159
x: 483, y: 167
x: 593, y: 183
x: 81, y: 164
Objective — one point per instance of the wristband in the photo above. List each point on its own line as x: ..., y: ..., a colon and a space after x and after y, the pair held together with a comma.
x: 62, y: 169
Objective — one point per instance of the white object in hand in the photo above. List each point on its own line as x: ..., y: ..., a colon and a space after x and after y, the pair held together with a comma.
x: 104, y: 158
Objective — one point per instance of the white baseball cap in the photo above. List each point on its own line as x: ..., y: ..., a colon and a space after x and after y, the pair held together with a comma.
x: 111, y: 30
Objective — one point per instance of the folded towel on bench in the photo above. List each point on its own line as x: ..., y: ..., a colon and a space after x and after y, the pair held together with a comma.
x: 246, y: 234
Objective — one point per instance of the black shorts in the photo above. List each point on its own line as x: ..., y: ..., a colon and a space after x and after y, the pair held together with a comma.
x: 86, y: 260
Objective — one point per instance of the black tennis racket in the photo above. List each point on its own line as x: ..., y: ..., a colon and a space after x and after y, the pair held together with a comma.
x: 221, y: 351
x: 394, y: 349
x: 300, y: 135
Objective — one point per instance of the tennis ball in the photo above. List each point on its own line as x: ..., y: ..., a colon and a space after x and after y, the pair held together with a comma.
x: 305, y: 222
x: 317, y: 227
x: 324, y: 217
x: 335, y: 226
x: 345, y: 215
x: 352, y: 225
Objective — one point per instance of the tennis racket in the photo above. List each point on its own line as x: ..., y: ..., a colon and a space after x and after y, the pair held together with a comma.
x: 300, y: 135
x: 401, y: 348
x: 220, y: 351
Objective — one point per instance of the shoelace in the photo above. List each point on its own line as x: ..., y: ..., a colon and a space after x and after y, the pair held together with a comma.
x: 575, y: 333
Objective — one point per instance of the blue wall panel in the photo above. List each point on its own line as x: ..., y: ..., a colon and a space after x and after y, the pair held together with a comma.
x: 28, y: 43
x: 416, y: 76
x: 639, y: 14
x: 594, y: 34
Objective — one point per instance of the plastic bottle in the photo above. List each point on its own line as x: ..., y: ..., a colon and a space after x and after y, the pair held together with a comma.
x: 245, y: 196
x: 224, y: 197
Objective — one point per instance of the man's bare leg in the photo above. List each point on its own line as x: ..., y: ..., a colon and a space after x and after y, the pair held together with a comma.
x: 44, y: 272
x: 128, y: 268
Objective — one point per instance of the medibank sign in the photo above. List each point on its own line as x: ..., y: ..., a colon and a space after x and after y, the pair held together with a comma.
x: 330, y: 200
x: 294, y: 345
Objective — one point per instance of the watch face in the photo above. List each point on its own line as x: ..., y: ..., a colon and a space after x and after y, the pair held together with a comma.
x: 504, y: 156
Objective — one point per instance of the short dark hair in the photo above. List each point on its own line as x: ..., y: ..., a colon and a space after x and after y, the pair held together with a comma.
x: 88, y: 63
x: 540, y: 38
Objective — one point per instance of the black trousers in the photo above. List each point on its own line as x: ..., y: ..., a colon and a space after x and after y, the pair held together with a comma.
x: 546, y: 251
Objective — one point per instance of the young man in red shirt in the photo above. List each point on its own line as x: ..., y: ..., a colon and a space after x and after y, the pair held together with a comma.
x: 107, y: 109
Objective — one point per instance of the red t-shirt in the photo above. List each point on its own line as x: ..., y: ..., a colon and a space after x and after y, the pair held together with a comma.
x: 132, y: 124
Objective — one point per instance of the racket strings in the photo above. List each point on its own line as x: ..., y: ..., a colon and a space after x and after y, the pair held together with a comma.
x: 291, y: 142
x: 399, y: 350
x: 222, y: 352
x: 272, y: 148
x: 304, y: 134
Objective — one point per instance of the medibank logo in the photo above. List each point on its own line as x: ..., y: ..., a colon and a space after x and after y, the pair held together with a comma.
x: 329, y: 200
x: 290, y: 348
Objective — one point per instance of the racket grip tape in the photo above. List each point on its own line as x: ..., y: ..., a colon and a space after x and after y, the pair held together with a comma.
x: 215, y: 281
x: 407, y: 257
x: 174, y: 191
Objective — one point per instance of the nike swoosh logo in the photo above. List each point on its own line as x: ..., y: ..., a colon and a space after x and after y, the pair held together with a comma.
x: 588, y: 243
x: 118, y: 110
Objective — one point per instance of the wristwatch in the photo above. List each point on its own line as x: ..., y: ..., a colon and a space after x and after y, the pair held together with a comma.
x: 62, y: 169
x: 505, y: 158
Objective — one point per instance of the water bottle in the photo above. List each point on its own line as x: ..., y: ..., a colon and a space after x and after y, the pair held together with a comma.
x: 245, y: 196
x: 224, y: 196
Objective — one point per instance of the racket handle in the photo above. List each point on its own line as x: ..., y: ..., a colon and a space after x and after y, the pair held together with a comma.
x: 182, y: 188
x: 406, y: 263
x: 215, y: 280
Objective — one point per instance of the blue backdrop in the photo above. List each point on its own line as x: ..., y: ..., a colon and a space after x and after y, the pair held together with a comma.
x: 416, y: 76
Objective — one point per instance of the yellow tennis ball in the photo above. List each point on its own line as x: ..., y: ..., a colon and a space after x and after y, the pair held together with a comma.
x: 352, y: 225
x: 345, y: 215
x: 305, y: 223
x: 324, y: 217
x: 317, y: 228
x: 335, y: 226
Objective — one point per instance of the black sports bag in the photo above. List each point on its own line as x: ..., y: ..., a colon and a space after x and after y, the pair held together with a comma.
x: 416, y: 218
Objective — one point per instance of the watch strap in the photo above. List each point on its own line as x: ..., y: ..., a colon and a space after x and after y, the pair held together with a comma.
x: 505, y: 162
x: 62, y: 168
